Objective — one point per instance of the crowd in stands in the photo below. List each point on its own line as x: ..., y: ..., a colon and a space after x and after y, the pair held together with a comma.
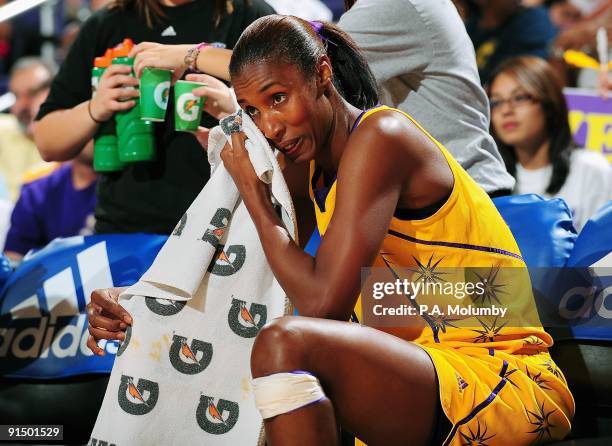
x: 457, y: 67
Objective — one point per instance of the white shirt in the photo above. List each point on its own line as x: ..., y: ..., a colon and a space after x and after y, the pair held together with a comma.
x: 587, y: 188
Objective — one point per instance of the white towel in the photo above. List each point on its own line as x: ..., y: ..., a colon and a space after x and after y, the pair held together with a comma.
x: 182, y: 376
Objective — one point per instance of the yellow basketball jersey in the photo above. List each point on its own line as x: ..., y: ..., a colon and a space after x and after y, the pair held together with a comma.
x: 472, y: 361
x: 467, y: 231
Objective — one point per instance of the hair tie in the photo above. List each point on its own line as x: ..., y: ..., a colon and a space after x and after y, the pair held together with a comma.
x: 317, y: 27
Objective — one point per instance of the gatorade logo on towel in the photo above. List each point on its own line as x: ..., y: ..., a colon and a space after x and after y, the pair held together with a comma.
x: 161, y: 93
x: 228, y: 261
x: 137, y: 398
x: 218, y: 226
x: 217, y: 418
x: 164, y: 307
x: 96, y: 442
x: 190, y: 358
x: 246, y: 322
x: 126, y: 341
x: 188, y: 107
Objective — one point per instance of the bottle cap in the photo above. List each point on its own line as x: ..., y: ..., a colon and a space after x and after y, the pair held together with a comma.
x: 120, y: 51
x: 102, y: 62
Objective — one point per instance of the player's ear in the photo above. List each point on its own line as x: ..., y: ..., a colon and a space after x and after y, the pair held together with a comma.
x: 324, y: 76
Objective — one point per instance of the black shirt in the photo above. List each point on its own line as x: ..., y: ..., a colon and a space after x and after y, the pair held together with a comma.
x: 152, y: 196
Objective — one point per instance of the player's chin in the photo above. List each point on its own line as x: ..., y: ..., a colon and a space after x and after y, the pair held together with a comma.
x: 306, y: 153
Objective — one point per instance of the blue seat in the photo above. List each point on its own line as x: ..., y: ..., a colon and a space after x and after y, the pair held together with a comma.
x: 595, y: 239
x: 542, y: 228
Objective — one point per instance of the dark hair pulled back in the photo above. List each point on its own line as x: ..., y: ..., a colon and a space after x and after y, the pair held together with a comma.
x: 293, y: 41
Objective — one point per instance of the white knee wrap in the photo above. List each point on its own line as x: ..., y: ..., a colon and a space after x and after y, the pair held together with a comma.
x: 284, y: 392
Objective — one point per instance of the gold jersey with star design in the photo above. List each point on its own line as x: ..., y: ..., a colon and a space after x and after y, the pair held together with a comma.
x: 497, y: 382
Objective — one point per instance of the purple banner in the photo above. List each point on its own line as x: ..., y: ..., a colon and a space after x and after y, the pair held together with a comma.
x: 590, y: 119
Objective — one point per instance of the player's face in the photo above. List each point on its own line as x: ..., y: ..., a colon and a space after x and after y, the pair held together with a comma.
x: 518, y: 119
x: 284, y: 105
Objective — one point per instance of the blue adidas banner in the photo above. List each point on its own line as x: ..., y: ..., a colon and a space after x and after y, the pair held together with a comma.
x: 43, y: 325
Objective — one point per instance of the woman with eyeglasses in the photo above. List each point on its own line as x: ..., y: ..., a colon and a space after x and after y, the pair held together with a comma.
x: 529, y: 120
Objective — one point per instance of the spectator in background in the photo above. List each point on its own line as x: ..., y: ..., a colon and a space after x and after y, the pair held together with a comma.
x: 594, y: 13
x: 563, y: 13
x: 582, y: 36
x: 152, y: 196
x: 530, y: 124
x: 60, y: 204
x: 501, y: 29
x: 29, y: 82
x: 423, y: 62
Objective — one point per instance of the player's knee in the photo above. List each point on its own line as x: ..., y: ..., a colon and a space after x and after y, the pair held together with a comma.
x: 284, y: 392
x: 278, y: 347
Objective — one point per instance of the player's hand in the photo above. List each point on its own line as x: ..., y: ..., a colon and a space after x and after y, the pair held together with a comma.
x: 236, y: 160
x: 107, y: 319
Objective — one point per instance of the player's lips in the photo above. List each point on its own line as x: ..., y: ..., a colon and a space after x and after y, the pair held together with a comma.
x: 290, y: 146
x: 509, y: 125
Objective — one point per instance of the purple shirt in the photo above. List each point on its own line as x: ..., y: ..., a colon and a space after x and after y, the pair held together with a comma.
x: 48, y: 208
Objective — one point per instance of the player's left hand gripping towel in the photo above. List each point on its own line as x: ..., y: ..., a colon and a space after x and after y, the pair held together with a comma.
x: 182, y: 375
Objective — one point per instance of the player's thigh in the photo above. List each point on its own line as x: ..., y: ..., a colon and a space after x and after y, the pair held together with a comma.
x: 381, y: 387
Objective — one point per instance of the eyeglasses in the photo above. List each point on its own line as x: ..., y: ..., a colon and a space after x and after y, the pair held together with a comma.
x: 516, y: 101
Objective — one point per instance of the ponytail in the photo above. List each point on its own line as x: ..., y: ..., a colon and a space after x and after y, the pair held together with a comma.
x: 291, y: 40
x: 352, y: 76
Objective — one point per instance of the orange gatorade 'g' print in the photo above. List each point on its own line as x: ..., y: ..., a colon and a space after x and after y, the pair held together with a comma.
x: 246, y: 315
x: 187, y: 352
x: 134, y: 393
x: 212, y: 410
x: 223, y: 257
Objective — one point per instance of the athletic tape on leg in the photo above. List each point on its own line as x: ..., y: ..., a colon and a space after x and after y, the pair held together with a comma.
x: 284, y: 392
